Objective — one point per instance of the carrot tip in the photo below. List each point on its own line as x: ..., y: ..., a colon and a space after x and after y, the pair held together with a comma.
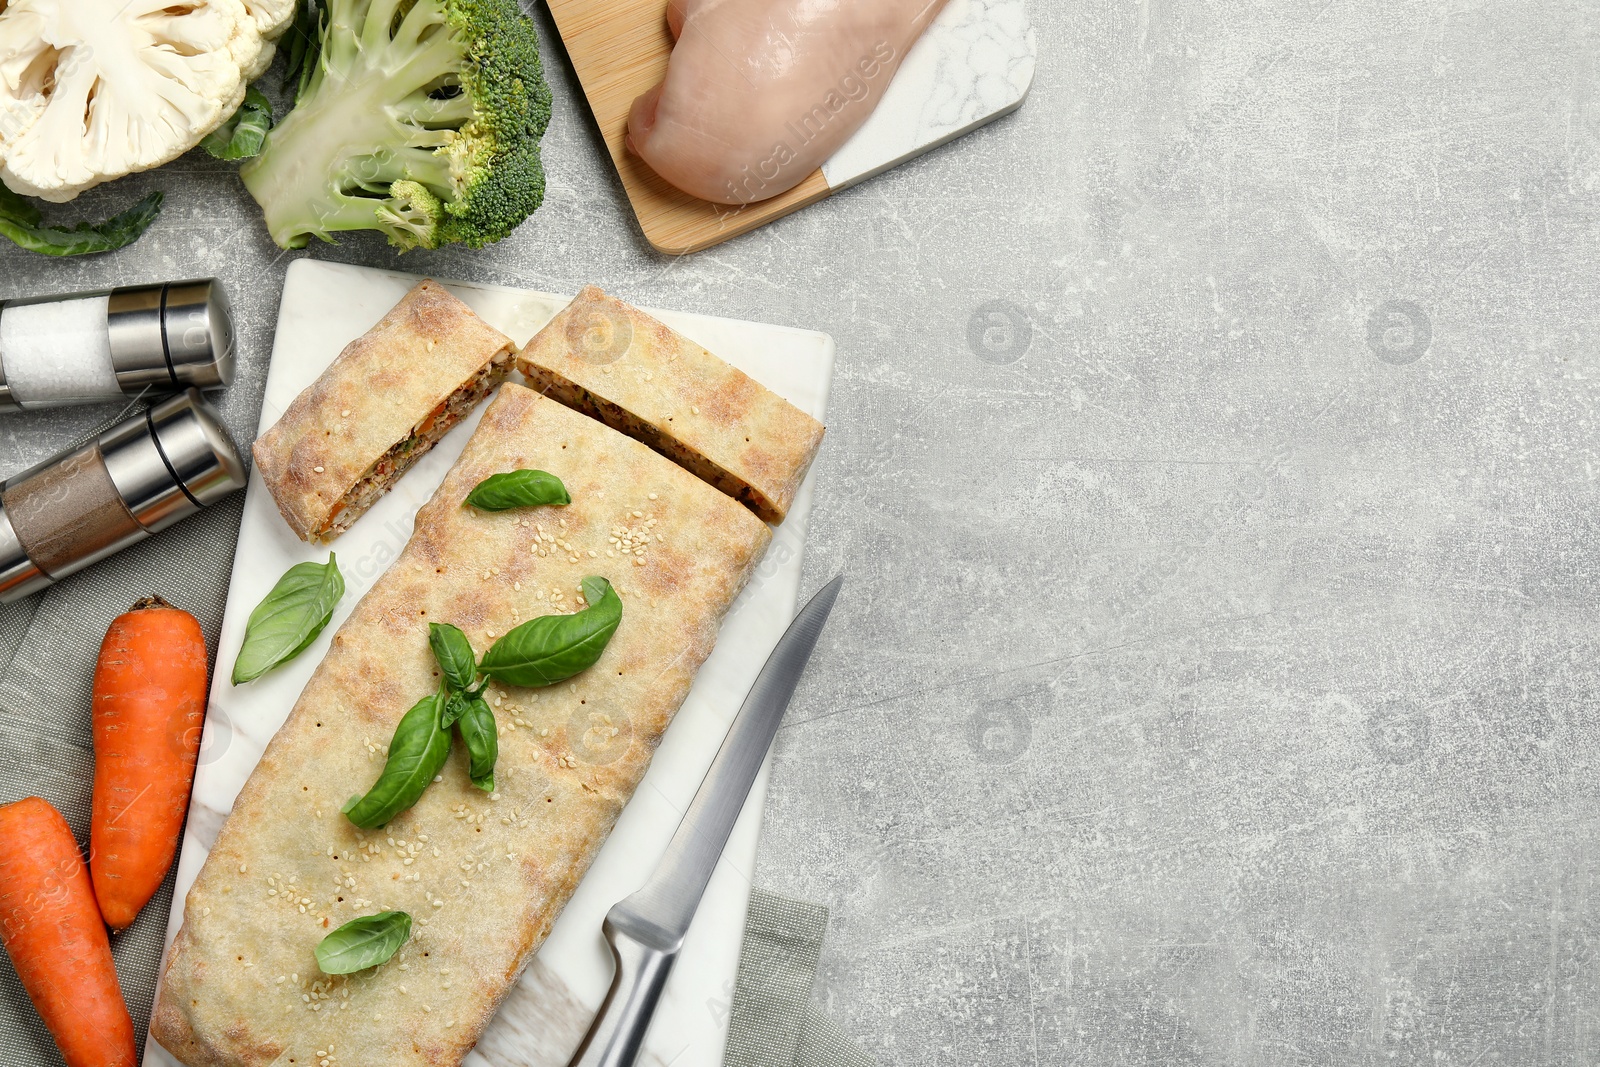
x: 146, y: 603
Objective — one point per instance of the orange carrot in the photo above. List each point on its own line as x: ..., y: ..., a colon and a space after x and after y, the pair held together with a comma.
x: 149, y: 707
x: 51, y: 927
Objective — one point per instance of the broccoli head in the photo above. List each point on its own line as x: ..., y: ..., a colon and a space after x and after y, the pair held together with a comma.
x: 420, y: 119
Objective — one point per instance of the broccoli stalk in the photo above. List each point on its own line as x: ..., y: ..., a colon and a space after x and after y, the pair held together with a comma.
x: 421, y: 119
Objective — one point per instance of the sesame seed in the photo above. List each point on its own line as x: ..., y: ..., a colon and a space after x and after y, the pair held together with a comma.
x: 317, y: 469
x: 693, y: 410
x: 652, y: 496
x: 345, y: 414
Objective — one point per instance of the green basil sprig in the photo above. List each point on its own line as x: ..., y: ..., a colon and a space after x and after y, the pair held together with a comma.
x: 284, y: 624
x: 416, y: 754
x: 457, y: 661
x: 553, y: 648
x: 453, y: 707
x: 364, y: 942
x: 466, y: 709
x: 518, y: 489
x: 478, y: 731
x: 540, y: 652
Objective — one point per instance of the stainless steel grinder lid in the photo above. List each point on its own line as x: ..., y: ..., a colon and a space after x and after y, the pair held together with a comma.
x: 171, y: 336
x: 171, y: 462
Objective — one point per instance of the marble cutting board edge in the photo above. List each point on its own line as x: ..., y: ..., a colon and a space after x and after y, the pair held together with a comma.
x: 324, y: 307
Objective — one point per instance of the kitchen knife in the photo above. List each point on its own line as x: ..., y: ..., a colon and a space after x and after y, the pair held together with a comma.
x: 646, y: 930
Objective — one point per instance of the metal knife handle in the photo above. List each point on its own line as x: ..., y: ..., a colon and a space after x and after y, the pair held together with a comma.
x: 617, y: 1035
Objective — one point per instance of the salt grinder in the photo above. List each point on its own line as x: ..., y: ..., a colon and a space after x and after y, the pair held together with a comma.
x: 134, y: 480
x: 89, y: 347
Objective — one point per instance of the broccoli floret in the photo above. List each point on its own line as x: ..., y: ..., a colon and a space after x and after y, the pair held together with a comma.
x: 420, y: 119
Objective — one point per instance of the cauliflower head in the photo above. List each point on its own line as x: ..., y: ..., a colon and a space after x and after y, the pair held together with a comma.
x: 91, y: 90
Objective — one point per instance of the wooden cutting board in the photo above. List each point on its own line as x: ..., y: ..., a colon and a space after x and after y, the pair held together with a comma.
x: 974, y: 65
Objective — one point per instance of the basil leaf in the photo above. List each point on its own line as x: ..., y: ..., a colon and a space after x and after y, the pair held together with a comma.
x: 364, y: 942
x: 553, y: 648
x: 454, y: 652
x: 518, y: 489
x: 482, y: 738
x: 242, y: 136
x: 22, y: 223
x: 594, y: 591
x: 289, y: 619
x: 452, y: 710
x: 416, y: 754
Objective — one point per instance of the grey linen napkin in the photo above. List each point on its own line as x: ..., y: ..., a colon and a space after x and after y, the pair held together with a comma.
x: 774, y: 1022
x: 48, y: 645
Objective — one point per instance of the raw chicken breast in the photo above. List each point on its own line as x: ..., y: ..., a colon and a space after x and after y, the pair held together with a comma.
x: 759, y: 93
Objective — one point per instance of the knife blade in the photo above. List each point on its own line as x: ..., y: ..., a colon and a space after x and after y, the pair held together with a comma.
x: 646, y: 930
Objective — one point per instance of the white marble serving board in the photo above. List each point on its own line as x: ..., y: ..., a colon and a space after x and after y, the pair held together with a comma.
x: 325, y: 306
x: 974, y: 64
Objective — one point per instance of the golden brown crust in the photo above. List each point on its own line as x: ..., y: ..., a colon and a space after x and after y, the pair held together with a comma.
x: 570, y: 757
x: 619, y: 365
x: 383, y: 388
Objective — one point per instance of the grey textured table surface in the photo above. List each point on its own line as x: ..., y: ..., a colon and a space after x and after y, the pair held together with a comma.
x: 1214, y: 681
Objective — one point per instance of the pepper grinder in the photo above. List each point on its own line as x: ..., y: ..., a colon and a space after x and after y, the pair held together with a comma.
x: 133, y: 481
x: 90, y: 347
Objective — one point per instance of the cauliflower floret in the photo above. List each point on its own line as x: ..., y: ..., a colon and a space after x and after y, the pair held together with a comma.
x: 92, y: 90
x: 271, y: 17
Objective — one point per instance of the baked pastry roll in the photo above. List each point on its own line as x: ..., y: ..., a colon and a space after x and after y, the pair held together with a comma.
x: 378, y: 408
x: 484, y: 877
x: 614, y: 362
